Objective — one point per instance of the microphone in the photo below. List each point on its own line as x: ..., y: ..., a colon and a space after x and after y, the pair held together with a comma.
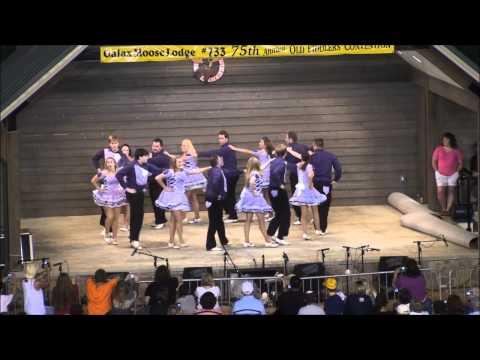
x: 134, y: 251
x: 326, y: 249
x: 285, y: 257
x: 373, y: 249
x: 255, y: 262
x: 444, y: 240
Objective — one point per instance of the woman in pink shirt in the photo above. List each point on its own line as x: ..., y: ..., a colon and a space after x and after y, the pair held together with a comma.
x: 447, y: 161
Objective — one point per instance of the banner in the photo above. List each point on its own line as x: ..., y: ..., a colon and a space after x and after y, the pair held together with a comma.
x: 139, y: 53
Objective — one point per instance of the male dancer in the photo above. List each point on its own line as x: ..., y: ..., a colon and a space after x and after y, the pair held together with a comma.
x: 291, y: 139
x: 113, y: 151
x: 214, y: 197
x: 162, y: 161
x: 134, y: 178
x: 322, y: 162
x: 279, y: 197
x: 230, y: 170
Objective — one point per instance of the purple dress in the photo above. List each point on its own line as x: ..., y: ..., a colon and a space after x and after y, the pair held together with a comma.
x: 304, y: 195
x: 193, y: 181
x: 263, y: 157
x: 175, y: 200
x: 251, y: 199
x: 113, y: 195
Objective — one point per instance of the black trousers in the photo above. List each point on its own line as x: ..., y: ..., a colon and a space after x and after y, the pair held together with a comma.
x: 155, y: 190
x: 136, y: 202
x: 215, y: 225
x: 103, y: 217
x: 230, y: 201
x: 324, y: 208
x: 293, y: 182
x: 281, y: 208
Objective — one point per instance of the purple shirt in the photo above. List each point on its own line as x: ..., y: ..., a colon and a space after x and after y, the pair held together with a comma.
x: 229, y: 159
x: 322, y: 162
x: 416, y: 286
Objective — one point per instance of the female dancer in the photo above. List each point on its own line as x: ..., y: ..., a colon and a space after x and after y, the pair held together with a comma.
x: 306, y: 195
x: 126, y: 150
x: 195, y: 182
x: 252, y: 202
x: 174, y: 199
x: 110, y: 196
x: 264, y: 154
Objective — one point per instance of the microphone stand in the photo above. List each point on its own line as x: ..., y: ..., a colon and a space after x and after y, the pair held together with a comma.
x: 226, y: 256
x: 285, y: 262
x: 155, y: 258
x: 363, y: 248
x: 347, y: 270
x: 323, y: 254
x: 419, y: 247
x: 263, y: 261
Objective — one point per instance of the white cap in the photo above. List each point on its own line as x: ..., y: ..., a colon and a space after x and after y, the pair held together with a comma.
x: 247, y: 287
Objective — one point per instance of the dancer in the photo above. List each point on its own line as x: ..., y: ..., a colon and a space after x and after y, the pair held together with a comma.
x: 252, y: 202
x: 194, y: 183
x: 291, y: 139
x: 125, y: 210
x: 264, y: 154
x: 112, y: 151
x: 110, y: 196
x: 447, y: 161
x: 215, y: 195
x: 230, y: 170
x: 305, y: 195
x: 279, y: 197
x: 323, y: 162
x: 133, y: 178
x: 174, y: 199
x: 161, y: 159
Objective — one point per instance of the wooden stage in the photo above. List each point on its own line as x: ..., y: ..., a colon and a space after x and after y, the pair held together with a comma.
x: 77, y: 240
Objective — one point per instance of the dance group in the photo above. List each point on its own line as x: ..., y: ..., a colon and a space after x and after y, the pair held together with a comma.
x: 175, y: 181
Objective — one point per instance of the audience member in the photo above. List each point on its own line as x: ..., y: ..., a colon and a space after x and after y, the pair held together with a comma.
x: 334, y: 303
x: 411, y: 279
x: 124, y: 296
x: 248, y: 304
x: 99, y: 293
x: 311, y: 305
x: 186, y: 304
x: 65, y: 296
x: 207, y: 285
x: 290, y: 301
x: 208, y: 302
x: 382, y: 304
x: 359, y: 303
x: 404, y: 299
x: 416, y: 308
x: 162, y: 292
x: 472, y: 305
x: 455, y: 305
x: 33, y: 285
x: 440, y: 307
x: 7, y: 295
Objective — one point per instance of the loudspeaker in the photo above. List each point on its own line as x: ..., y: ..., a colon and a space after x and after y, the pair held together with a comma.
x: 26, y: 247
x: 389, y: 263
x: 308, y: 270
x: 195, y: 272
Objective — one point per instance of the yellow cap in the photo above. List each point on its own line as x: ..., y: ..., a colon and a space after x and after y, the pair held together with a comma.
x: 331, y: 283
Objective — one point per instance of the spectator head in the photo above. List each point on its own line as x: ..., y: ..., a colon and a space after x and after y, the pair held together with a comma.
x: 439, y: 307
x: 411, y: 268
x: 208, y: 301
x: 448, y: 139
x: 162, y: 274
x: 122, y: 291
x: 291, y: 137
x: 280, y: 150
x: 473, y: 299
x: 317, y: 144
x: 381, y: 301
x: 295, y: 283
x: 100, y: 276
x: 416, y: 306
x: 207, y: 279
x: 310, y: 298
x: 223, y: 137
x: 361, y: 287
x: 247, y: 288
x: 63, y: 293
x: 404, y: 296
x: 141, y: 155
x: 184, y: 290
x: 455, y: 305
x: 30, y: 270
x: 331, y: 284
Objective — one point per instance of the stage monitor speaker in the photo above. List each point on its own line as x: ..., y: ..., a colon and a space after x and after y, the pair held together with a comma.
x: 389, y: 263
x: 26, y: 247
x: 121, y: 275
x: 308, y: 270
x: 195, y: 272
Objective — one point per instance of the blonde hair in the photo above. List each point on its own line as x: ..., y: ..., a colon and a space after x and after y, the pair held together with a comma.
x: 114, y: 161
x: 207, y: 279
x: 191, y: 149
x: 112, y: 138
x: 30, y: 270
x: 252, y: 164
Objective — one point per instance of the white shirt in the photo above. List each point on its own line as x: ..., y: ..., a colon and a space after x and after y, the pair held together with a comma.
x: 215, y: 290
x: 5, y: 300
x: 311, y: 309
x: 34, y: 303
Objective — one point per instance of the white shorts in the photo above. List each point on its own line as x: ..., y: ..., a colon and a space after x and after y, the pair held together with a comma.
x: 443, y: 180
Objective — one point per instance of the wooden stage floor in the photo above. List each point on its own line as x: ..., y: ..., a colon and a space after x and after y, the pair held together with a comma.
x: 77, y: 240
